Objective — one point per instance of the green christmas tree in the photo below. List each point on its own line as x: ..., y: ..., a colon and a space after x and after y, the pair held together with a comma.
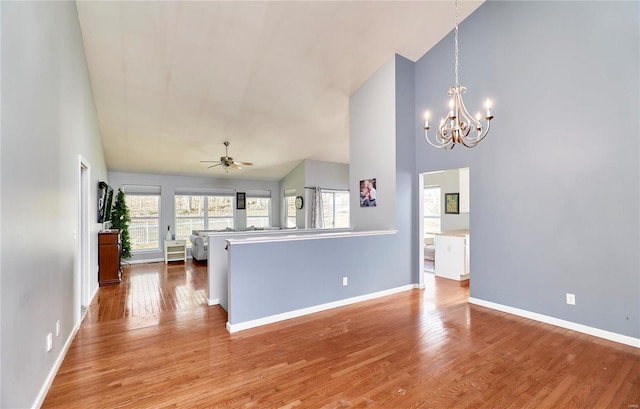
x: 120, y: 220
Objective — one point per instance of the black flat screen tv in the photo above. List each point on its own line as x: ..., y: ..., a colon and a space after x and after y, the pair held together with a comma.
x: 105, y: 197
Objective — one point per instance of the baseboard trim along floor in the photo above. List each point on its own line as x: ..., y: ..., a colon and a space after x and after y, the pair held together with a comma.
x: 56, y: 366
x: 310, y: 310
x: 596, y: 332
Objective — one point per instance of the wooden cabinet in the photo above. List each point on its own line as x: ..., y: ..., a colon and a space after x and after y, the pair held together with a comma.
x: 175, y: 250
x: 109, y: 257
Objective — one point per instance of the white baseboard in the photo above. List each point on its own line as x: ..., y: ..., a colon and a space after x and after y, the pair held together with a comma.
x: 95, y: 291
x: 596, y: 332
x: 310, y: 310
x: 56, y: 366
x: 150, y: 260
x: 214, y: 301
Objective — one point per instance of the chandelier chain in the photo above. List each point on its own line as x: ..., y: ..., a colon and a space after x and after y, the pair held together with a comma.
x: 456, y: 41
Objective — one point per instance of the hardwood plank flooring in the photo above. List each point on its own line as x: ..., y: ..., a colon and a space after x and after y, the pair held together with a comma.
x: 148, y: 289
x: 416, y: 349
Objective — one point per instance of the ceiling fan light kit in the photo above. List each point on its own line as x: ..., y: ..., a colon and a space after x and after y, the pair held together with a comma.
x: 226, y: 161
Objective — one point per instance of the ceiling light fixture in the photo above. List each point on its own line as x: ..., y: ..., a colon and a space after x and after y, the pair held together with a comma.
x: 459, y: 126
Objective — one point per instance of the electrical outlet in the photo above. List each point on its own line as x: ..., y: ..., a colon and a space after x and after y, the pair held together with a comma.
x: 345, y: 281
x: 58, y: 328
x: 49, y: 342
x: 571, y: 299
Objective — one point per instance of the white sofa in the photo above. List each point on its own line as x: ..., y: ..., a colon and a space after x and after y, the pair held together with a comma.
x: 200, y: 239
x: 429, y: 249
x: 199, y: 247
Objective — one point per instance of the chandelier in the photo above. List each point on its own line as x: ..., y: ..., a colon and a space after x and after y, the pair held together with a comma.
x: 459, y: 126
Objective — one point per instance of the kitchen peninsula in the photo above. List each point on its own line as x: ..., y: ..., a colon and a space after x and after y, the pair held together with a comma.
x: 452, y: 255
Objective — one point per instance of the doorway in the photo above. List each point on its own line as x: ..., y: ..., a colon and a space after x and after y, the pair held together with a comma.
x: 82, y: 290
x: 439, y: 219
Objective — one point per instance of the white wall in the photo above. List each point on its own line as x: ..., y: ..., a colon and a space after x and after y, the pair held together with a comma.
x: 168, y: 185
x: 449, y: 182
x: 372, y: 128
x: 48, y: 120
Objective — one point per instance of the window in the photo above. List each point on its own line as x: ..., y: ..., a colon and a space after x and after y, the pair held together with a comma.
x: 189, y: 216
x: 290, y: 207
x: 144, y: 229
x: 335, y: 207
x: 202, y: 213
x: 258, y: 211
x: 219, y: 212
x: 431, y: 211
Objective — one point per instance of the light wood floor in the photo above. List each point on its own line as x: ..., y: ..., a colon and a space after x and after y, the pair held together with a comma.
x: 416, y: 349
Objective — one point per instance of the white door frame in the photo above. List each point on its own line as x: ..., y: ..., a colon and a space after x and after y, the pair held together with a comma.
x: 420, y: 252
x: 82, y: 287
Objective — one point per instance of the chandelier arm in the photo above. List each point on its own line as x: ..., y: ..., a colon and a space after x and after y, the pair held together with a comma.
x: 444, y: 136
x: 485, y: 131
x: 472, y: 143
x: 426, y: 136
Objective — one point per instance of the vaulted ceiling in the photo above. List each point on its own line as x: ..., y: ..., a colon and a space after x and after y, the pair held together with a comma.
x: 173, y: 80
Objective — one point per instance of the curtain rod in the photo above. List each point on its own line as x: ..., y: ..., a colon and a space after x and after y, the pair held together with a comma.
x: 326, y: 188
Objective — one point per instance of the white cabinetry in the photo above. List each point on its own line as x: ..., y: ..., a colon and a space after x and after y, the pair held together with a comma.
x: 452, y: 255
x: 175, y: 250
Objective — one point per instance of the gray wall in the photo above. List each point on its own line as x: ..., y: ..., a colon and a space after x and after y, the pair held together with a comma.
x: 48, y: 119
x: 267, y: 279
x: 406, y: 197
x: 294, y: 180
x: 168, y: 185
x: 449, y: 182
x: 555, y: 185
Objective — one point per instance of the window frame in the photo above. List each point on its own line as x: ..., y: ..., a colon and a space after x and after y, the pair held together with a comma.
x: 290, y: 195
x: 267, y: 217
x: 425, y: 216
x: 206, y: 218
x: 333, y: 192
x: 135, y: 250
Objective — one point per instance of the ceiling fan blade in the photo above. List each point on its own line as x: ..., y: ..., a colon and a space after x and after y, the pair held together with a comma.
x: 213, y: 166
x: 243, y: 163
x: 234, y: 165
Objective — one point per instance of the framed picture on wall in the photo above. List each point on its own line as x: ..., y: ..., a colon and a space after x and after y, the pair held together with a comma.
x: 452, y: 203
x: 241, y: 201
x: 368, y: 193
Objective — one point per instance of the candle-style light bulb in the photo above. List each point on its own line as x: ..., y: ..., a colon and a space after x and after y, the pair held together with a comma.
x: 488, y: 105
x: 452, y: 114
x: 478, y: 116
x: 426, y: 120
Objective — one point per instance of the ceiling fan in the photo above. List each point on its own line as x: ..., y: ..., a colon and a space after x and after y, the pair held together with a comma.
x: 227, y: 161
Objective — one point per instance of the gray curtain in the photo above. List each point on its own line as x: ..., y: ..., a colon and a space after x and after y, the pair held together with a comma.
x: 317, y: 219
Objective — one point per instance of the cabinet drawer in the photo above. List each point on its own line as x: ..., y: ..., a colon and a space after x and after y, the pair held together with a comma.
x: 108, y: 237
x: 171, y: 243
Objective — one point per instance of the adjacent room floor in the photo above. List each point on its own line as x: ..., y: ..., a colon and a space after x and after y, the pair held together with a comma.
x: 152, y: 342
